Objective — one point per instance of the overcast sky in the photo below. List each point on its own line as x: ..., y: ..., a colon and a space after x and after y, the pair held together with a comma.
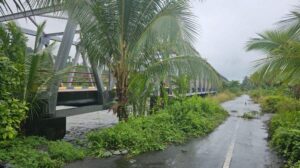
x: 226, y: 26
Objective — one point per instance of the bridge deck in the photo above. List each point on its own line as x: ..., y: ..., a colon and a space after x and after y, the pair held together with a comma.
x: 65, y: 111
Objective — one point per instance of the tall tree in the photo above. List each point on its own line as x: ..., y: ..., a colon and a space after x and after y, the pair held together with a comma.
x: 152, y: 38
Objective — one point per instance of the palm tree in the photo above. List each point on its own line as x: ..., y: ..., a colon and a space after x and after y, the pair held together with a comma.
x: 150, y: 38
x: 282, y: 49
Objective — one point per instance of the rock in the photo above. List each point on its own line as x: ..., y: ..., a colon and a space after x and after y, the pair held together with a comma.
x: 124, y: 151
x: 233, y: 111
x: 183, y: 150
x: 8, y: 165
x: 2, y: 165
x: 5, y: 165
x: 117, y: 152
x: 107, y: 154
x: 132, y: 161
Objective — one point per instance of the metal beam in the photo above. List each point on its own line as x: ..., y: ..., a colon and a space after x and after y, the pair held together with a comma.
x: 59, y: 33
x: 34, y: 33
x: 85, y: 63
x: 99, y: 84
x: 60, y: 62
x: 39, y: 11
x: 75, y: 61
x: 78, y: 110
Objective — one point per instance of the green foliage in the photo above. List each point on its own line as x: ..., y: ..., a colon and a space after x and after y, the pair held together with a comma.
x: 223, y: 96
x: 36, y: 152
x: 273, y: 104
x: 232, y: 86
x: 9, y: 78
x: 285, y: 119
x: 64, y: 151
x: 13, y: 112
x: 282, y: 48
x: 287, y: 142
x: 269, y: 104
x: 188, y: 118
x: 247, y: 84
x: 182, y: 85
x: 250, y: 115
x: 296, y: 165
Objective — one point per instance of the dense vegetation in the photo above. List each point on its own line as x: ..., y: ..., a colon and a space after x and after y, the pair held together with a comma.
x: 180, y: 120
x: 173, y: 124
x: 36, y: 152
x: 284, y: 128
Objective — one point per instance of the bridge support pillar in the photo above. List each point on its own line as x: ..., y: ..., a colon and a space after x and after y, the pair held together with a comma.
x: 50, y: 128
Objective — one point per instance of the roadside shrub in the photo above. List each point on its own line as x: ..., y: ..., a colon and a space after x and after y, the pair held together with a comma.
x: 223, y: 96
x: 286, y: 120
x: 269, y: 104
x: 188, y: 118
x: 284, y: 130
x: 37, y: 152
x: 296, y: 165
x: 13, y: 112
x: 250, y: 115
x: 64, y: 151
x: 287, y: 142
x: 288, y: 104
x: 274, y: 104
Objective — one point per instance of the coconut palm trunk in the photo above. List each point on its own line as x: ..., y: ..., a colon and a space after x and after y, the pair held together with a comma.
x: 121, y: 76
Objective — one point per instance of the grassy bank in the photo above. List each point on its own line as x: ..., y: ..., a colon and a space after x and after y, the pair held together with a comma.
x: 174, y: 124
x: 36, y: 152
x: 224, y: 96
x: 284, y: 127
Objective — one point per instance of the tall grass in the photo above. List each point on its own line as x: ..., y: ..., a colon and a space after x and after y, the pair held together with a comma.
x: 174, y: 124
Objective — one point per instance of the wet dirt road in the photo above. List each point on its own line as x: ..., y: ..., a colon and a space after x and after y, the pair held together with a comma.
x: 237, y: 143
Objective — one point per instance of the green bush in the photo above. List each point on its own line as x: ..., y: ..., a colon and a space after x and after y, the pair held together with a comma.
x: 288, y: 104
x: 284, y: 131
x: 285, y: 119
x: 287, y: 142
x: 250, y: 115
x: 13, y: 112
x: 36, y: 152
x: 183, y: 119
x: 64, y: 151
x: 296, y: 165
x: 274, y: 104
x: 269, y: 104
x: 9, y: 77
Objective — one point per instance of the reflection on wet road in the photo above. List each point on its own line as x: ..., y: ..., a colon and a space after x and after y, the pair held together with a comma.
x: 237, y: 143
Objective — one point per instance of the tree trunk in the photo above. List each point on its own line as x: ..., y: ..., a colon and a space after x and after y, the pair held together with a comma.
x: 122, y: 94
